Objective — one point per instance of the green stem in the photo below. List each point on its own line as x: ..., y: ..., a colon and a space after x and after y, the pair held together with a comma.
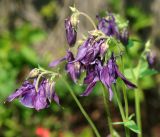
x: 89, y: 18
x: 124, y: 92
x: 137, y: 100
x: 121, y: 111
x: 125, y: 97
x: 119, y: 104
x: 138, y: 112
x: 106, y: 104
x: 81, y: 108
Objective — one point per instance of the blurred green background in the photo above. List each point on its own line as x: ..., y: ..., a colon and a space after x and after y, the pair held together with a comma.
x: 32, y: 32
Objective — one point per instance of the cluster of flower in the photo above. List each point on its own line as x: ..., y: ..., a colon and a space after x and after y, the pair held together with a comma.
x: 90, y: 58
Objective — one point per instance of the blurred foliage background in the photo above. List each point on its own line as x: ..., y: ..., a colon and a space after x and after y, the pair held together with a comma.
x: 32, y: 32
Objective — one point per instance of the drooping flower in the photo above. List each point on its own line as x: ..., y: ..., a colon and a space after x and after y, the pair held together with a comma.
x: 107, y: 74
x: 73, y: 68
x: 29, y: 97
x: 110, y: 73
x: 89, y: 51
x: 108, y: 26
x: 71, y: 33
x: 92, y: 77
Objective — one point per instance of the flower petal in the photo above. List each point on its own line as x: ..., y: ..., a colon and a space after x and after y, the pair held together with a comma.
x: 89, y: 89
x: 28, y: 98
x: 89, y: 78
x: 126, y: 81
x: 71, y: 70
x: 24, y: 88
x: 56, y: 62
x: 55, y: 98
x: 40, y: 101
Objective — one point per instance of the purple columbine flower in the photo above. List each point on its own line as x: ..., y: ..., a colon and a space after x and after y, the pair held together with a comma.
x: 108, y: 26
x: 110, y: 73
x: 92, y: 77
x: 89, y: 51
x: 107, y: 74
x: 73, y: 68
x: 31, y: 98
x: 71, y: 32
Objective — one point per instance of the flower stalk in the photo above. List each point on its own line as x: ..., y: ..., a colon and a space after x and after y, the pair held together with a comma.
x: 89, y: 18
x: 137, y: 99
x: 138, y: 111
x: 106, y: 104
x: 81, y: 108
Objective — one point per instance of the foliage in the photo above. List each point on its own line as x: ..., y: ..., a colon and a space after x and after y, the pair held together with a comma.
x: 16, y: 51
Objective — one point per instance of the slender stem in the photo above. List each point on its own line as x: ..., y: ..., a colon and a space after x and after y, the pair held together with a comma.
x: 119, y: 104
x: 81, y: 108
x: 137, y: 104
x: 121, y: 111
x: 125, y: 100
x: 138, y: 112
x: 124, y: 92
x: 137, y: 100
x: 107, y: 111
x: 126, y: 109
x: 89, y: 18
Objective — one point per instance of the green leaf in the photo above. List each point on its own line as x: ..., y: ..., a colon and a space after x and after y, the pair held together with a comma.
x: 132, y: 126
x: 131, y: 116
x: 130, y: 43
x: 129, y: 124
x: 148, y: 72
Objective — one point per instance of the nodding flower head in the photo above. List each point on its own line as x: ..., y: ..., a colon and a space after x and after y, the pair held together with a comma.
x: 108, y: 26
x: 71, y: 33
x: 106, y: 74
x: 89, y: 51
x: 31, y: 98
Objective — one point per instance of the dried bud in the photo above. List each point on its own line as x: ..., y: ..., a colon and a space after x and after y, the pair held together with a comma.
x: 34, y: 73
x: 74, y: 17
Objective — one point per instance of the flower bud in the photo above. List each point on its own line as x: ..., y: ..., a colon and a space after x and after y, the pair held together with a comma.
x: 71, y: 32
x: 151, y: 58
x: 124, y: 35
